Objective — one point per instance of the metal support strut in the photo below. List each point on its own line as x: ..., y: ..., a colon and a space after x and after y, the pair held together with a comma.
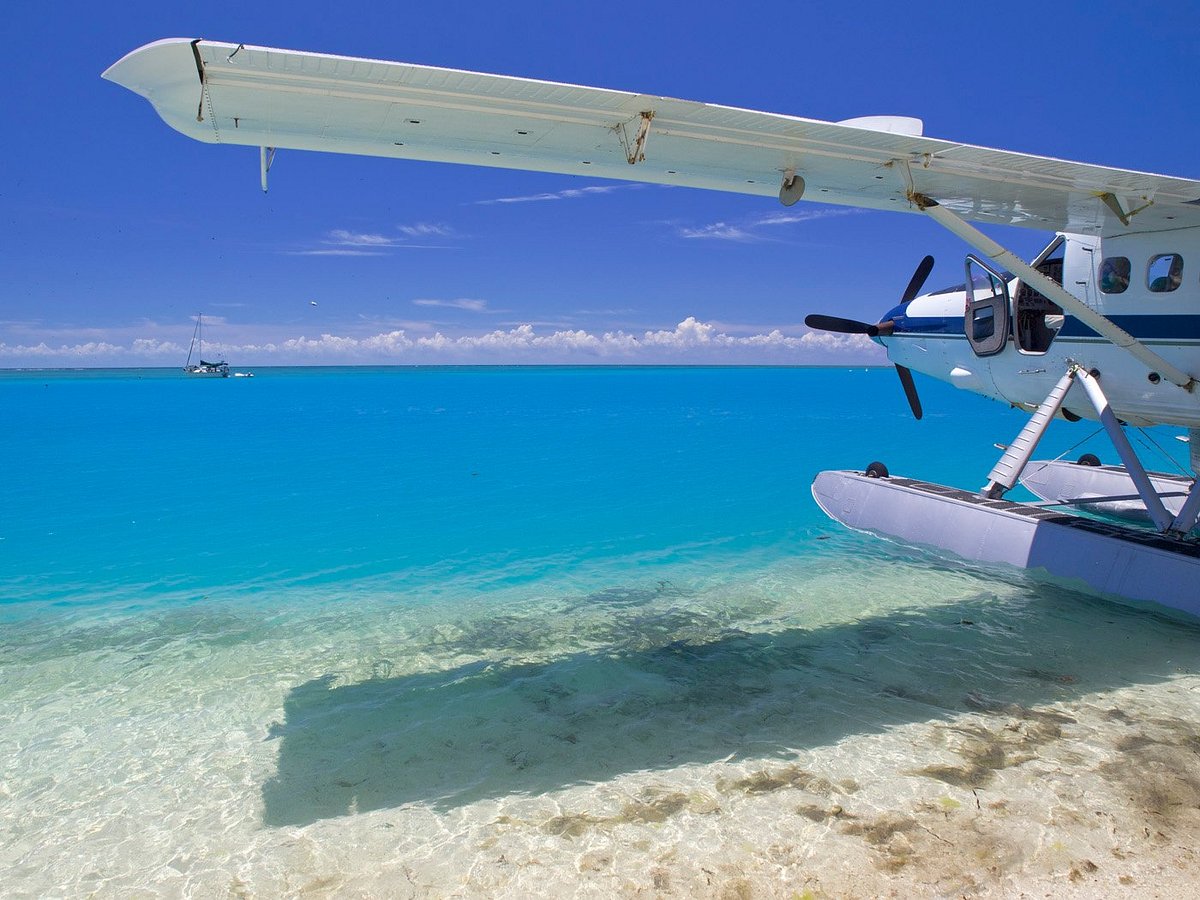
x: 636, y: 152
x: 1189, y: 514
x: 1008, y: 469
x: 1133, y: 466
x: 266, y: 156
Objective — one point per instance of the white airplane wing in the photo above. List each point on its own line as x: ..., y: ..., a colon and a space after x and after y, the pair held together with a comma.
x: 239, y: 94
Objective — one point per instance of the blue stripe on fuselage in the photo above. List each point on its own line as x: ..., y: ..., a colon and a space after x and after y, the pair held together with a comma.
x: 1143, y: 327
x: 930, y: 325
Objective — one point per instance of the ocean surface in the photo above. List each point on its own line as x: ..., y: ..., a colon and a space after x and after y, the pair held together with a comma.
x: 476, y: 632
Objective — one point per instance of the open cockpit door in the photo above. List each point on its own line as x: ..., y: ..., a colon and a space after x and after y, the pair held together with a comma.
x: 986, y: 319
x: 1036, y: 318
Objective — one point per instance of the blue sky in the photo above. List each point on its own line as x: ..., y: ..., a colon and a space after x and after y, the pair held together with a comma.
x: 117, y: 230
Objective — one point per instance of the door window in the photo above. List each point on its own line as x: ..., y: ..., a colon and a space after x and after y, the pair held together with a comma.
x: 986, y: 317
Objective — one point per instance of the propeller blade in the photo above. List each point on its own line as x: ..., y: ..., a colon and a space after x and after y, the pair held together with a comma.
x: 910, y: 389
x: 917, y: 281
x: 840, y: 325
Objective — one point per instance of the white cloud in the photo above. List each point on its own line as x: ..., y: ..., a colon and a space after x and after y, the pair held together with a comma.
x: 838, y: 343
x: 153, y: 348
x: 568, y: 194
x: 358, y: 239
x: 333, y: 253
x: 690, y: 341
x: 805, y: 215
x: 344, y: 242
x: 720, y: 231
x: 139, y: 351
x: 392, y: 342
x: 426, y: 229
x: 749, y: 230
x: 536, y: 323
x: 463, y: 303
x: 688, y: 333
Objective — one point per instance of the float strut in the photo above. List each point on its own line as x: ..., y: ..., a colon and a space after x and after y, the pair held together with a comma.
x: 1009, y: 467
x: 1163, y: 520
x: 1190, y: 513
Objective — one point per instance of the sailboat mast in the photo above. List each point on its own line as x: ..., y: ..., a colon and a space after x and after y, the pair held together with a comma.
x: 195, y: 334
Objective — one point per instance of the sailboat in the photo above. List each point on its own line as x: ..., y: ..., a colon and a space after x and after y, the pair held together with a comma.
x: 203, y: 368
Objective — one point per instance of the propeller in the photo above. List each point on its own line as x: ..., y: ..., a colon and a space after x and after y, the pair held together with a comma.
x: 910, y: 390
x: 924, y: 267
x: 839, y: 325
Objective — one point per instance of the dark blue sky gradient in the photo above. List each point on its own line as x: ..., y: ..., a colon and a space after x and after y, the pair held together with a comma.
x: 118, y: 229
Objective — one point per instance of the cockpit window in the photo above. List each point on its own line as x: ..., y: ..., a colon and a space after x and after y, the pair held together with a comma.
x: 1114, y: 275
x: 1165, y: 273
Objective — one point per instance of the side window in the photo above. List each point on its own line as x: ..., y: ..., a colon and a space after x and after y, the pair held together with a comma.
x: 1114, y: 275
x: 1165, y: 272
x: 983, y: 324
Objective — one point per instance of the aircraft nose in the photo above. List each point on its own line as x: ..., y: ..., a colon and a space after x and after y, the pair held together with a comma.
x: 891, y: 322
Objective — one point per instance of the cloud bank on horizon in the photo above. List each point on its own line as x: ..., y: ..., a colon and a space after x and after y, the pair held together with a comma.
x: 689, y: 342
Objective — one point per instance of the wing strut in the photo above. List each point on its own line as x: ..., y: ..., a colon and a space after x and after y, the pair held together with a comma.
x: 1100, y: 324
x: 266, y: 156
x: 1110, y: 200
x: 636, y: 152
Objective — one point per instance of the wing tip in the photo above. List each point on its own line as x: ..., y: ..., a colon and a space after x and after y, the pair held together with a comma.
x: 131, y: 68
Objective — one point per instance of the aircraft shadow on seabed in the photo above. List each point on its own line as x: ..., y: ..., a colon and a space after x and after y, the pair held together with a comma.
x: 493, y: 728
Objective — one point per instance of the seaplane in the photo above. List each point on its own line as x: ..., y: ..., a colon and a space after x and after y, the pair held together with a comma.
x: 1103, y: 324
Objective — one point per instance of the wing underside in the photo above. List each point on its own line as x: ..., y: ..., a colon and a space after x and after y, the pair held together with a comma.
x: 256, y: 96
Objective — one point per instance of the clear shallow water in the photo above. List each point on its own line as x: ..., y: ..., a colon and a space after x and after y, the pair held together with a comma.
x: 435, y: 631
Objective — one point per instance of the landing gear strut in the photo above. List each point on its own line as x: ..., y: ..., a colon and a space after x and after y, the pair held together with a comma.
x: 1008, y: 469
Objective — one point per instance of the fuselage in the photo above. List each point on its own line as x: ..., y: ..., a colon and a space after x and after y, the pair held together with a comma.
x: 1009, y: 342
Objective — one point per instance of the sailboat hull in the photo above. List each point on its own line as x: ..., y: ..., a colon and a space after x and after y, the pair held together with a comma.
x: 209, y: 371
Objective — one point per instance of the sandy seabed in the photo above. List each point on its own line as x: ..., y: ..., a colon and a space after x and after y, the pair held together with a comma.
x: 1096, y: 798
x: 978, y: 744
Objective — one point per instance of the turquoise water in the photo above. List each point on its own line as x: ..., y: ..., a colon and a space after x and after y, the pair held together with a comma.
x: 145, y: 487
x: 516, y: 613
